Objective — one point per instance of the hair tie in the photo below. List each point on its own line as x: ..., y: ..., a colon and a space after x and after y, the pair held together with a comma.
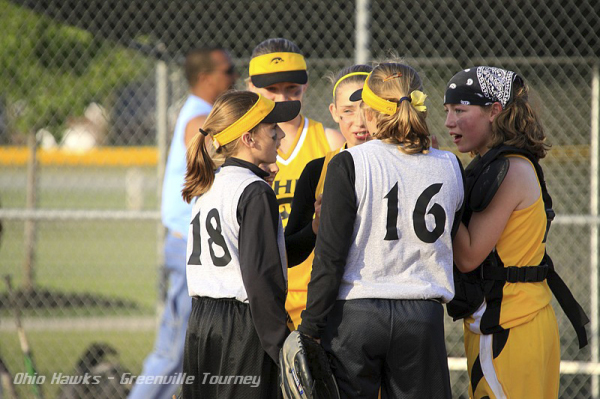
x: 417, y: 99
x: 204, y: 132
x: 393, y: 76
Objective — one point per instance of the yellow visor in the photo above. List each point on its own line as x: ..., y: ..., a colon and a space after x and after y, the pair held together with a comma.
x: 268, y: 69
x: 417, y: 99
x: 264, y: 110
x: 376, y: 102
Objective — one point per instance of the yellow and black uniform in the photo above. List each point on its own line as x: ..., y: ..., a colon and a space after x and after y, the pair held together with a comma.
x: 310, y: 143
x: 300, y: 238
x: 511, y: 333
x: 530, y: 331
x: 512, y: 339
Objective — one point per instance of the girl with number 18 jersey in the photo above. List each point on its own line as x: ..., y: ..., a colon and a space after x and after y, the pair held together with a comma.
x: 236, y: 265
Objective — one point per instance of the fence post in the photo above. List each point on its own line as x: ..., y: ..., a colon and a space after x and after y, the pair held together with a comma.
x: 595, y: 102
x: 161, y: 142
x: 362, y: 54
x: 30, y: 205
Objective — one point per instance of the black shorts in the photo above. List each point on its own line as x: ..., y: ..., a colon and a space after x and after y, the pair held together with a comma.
x: 397, y: 345
x: 224, y: 355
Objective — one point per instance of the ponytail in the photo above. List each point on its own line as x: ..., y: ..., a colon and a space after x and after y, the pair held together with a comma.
x: 200, y: 173
x: 201, y: 157
x: 406, y: 127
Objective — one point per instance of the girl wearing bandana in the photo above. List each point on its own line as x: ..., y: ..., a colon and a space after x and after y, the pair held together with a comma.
x: 511, y: 333
x: 278, y: 72
x: 236, y: 266
x: 301, y: 231
x: 383, y: 257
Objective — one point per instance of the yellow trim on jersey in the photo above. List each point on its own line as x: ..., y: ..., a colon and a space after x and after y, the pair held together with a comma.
x: 311, y: 144
x: 299, y: 276
x: 277, y: 62
x: 299, y: 134
x: 321, y: 184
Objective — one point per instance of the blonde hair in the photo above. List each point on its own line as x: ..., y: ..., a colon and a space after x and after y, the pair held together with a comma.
x: 518, y: 124
x: 202, y: 161
x: 406, y: 127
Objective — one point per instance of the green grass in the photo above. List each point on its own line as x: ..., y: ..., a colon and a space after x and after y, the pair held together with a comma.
x: 112, y: 259
x: 107, y: 259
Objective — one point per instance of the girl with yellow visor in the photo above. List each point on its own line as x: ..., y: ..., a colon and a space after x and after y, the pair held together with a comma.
x: 383, y: 256
x: 278, y: 72
x: 236, y: 267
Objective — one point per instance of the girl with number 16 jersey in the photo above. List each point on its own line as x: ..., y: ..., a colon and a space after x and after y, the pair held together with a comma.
x: 383, y: 257
x: 236, y: 267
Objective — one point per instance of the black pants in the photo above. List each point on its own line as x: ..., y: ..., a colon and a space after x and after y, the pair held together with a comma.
x: 397, y: 345
x: 224, y: 355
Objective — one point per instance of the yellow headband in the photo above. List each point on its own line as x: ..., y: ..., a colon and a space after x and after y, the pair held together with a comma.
x: 346, y: 77
x: 277, y: 62
x: 417, y: 99
x: 247, y: 122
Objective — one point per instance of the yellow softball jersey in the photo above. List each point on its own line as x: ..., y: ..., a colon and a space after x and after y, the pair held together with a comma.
x: 521, y: 244
x: 299, y: 276
x: 522, y: 359
x: 311, y: 143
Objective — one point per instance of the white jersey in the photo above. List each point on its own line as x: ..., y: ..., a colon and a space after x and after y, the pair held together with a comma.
x: 213, y: 264
x: 402, y: 246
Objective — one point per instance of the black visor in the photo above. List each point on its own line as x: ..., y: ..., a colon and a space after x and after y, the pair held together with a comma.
x: 356, y: 96
x: 268, y: 79
x: 284, y: 111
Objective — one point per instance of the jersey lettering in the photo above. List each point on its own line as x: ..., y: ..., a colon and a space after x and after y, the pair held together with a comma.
x: 196, y: 245
x: 436, y: 210
x: 419, y: 214
x: 392, y: 214
x: 215, y: 238
x: 288, y: 185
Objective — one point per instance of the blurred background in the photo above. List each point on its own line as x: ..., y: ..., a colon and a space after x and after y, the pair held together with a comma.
x: 89, y: 92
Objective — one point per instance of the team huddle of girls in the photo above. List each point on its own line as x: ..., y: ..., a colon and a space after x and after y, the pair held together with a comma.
x: 359, y: 238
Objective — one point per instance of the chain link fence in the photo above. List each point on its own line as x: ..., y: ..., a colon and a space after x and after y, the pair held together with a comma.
x: 97, y: 86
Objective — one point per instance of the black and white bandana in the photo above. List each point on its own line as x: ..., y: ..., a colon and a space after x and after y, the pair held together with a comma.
x: 482, y: 85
